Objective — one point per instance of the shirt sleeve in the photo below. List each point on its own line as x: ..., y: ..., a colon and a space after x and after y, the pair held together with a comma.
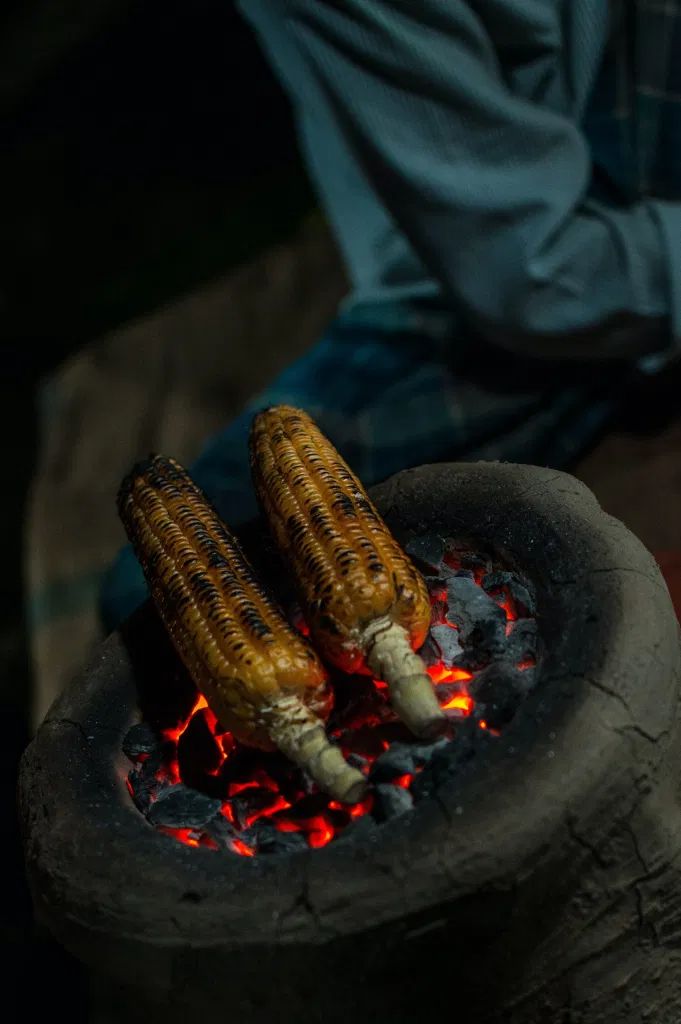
x: 492, y: 189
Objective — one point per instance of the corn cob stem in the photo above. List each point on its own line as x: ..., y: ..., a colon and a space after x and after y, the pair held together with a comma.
x: 262, y: 680
x: 300, y: 735
x: 390, y: 657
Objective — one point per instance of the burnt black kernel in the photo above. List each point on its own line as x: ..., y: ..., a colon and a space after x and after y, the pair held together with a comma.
x: 344, y: 505
x: 215, y: 560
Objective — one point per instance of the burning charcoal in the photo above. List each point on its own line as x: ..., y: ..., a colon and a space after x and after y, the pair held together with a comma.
x: 390, y: 801
x: 447, y: 640
x: 140, y: 739
x: 479, y: 618
x: 356, y: 703
x: 423, y: 753
x: 139, y: 796
x: 498, y: 691
x: 180, y: 807
x: 359, y: 830
x: 395, y: 761
x: 221, y: 830
x: 369, y: 740
x: 198, y: 753
x: 522, y: 641
x: 518, y: 591
x: 437, y: 584
x: 437, y: 587
x: 471, y: 629
x: 529, y: 676
x: 250, y: 803
x: 430, y: 652
x: 473, y: 562
x: 143, y: 781
x: 427, y: 551
x: 438, y: 613
x: 452, y: 758
x: 308, y: 807
x: 446, y: 693
x: 269, y: 840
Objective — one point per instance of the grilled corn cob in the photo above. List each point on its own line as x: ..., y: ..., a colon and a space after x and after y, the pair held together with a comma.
x: 365, y: 603
x: 261, y: 679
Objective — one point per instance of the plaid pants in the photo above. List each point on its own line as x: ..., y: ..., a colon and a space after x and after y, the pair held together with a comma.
x: 392, y: 398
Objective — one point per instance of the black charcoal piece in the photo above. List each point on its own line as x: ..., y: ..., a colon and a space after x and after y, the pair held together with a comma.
x: 430, y: 652
x: 221, y: 830
x: 452, y: 759
x: 198, y: 752
x: 390, y: 801
x: 478, y: 656
x: 397, y: 760
x: 140, y: 739
x: 180, y: 807
x: 478, y: 616
x: 423, y: 753
x: 250, y: 802
x: 140, y: 799
x: 529, y: 677
x: 143, y: 781
x: 448, y: 643
x: 243, y: 839
x: 355, y: 701
x: 357, y: 761
x: 522, y: 641
x: 445, y: 692
x: 470, y: 560
x: 270, y: 840
x: 359, y: 830
x: 427, y: 551
x: 498, y: 691
x: 520, y: 593
x: 438, y: 613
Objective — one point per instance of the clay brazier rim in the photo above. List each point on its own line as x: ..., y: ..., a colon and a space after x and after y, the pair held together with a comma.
x: 114, y: 874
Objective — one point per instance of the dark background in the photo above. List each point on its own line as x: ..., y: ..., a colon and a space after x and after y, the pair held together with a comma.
x: 144, y: 148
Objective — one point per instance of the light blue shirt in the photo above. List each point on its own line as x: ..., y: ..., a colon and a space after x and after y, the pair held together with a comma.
x: 447, y: 144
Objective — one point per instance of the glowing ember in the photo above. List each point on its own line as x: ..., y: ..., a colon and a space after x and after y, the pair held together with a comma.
x: 253, y: 790
x: 459, y: 702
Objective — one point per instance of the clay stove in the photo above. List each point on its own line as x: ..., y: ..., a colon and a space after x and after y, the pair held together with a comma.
x: 527, y: 872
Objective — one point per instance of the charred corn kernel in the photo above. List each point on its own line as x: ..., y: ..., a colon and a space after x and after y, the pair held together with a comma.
x: 365, y: 603
x: 261, y: 679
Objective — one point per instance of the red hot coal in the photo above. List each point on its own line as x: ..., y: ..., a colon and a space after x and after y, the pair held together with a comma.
x: 193, y: 781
